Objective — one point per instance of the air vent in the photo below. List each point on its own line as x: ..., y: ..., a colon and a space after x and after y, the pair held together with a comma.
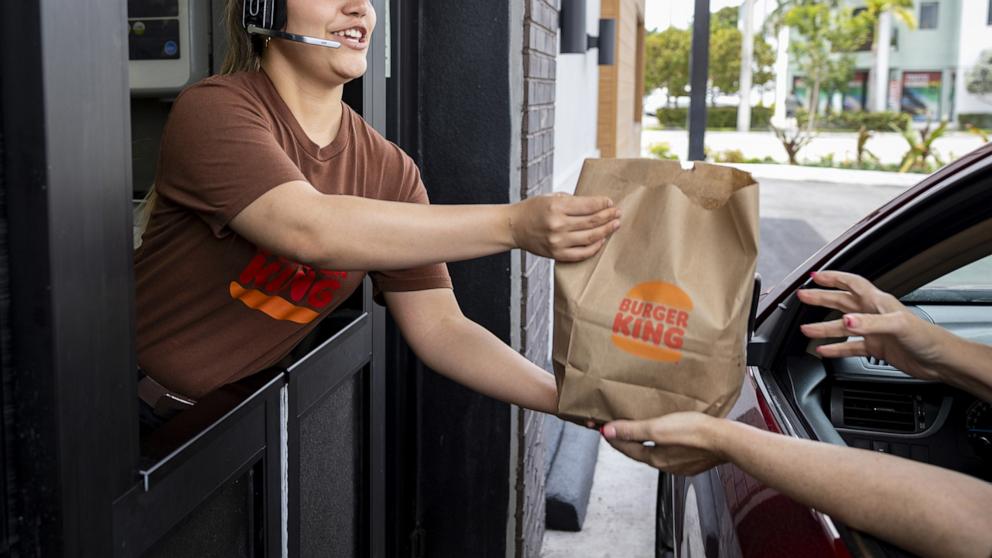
x: 871, y: 410
x: 877, y: 362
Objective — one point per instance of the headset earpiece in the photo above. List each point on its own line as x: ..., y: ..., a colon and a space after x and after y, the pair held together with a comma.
x: 267, y: 18
x: 265, y: 14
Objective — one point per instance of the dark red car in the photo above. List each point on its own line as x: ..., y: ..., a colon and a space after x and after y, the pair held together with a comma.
x: 930, y: 247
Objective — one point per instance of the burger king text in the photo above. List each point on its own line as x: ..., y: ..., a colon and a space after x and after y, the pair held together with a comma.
x: 651, y: 321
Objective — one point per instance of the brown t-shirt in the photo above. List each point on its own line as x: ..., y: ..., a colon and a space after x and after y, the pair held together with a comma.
x: 212, y: 307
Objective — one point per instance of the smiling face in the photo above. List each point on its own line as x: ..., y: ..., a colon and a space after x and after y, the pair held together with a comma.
x: 349, y: 22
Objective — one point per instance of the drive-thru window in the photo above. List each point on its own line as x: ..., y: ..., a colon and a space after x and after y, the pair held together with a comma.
x: 290, y: 460
x: 352, y: 447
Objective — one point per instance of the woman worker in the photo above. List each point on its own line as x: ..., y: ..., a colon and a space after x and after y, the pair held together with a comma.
x: 275, y: 199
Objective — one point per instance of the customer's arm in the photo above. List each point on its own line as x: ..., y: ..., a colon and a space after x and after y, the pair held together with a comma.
x: 456, y: 347
x: 888, y: 330
x: 921, y: 508
x: 355, y: 233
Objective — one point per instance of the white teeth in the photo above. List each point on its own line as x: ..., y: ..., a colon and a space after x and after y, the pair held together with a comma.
x: 350, y: 34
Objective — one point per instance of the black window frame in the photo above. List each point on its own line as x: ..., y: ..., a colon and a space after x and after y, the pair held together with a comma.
x: 936, y: 15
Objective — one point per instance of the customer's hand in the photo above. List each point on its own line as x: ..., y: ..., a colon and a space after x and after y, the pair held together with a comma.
x: 566, y: 228
x: 888, y: 329
x: 684, y: 443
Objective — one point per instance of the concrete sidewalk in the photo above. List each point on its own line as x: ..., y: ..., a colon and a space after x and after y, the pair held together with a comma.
x: 801, y: 174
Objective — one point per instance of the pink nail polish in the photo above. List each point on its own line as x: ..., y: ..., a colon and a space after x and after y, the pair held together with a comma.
x: 849, y: 322
x: 812, y: 274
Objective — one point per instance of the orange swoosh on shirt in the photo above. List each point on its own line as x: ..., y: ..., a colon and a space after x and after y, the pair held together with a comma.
x: 274, y: 306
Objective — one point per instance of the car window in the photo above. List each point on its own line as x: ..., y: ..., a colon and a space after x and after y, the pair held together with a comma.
x: 969, y: 284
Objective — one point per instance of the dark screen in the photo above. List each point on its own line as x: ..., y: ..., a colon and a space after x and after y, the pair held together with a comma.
x: 156, y: 39
x: 152, y: 8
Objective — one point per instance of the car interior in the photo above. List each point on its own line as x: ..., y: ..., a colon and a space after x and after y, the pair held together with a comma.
x: 935, y: 257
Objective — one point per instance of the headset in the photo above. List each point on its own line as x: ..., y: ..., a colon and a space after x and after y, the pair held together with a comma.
x: 268, y: 17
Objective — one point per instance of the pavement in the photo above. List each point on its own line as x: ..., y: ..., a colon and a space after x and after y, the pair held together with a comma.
x: 801, y: 209
x: 889, y: 147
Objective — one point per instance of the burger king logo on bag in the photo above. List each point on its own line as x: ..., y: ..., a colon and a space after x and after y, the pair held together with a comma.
x: 652, y: 320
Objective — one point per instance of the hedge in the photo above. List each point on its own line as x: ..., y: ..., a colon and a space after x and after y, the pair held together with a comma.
x: 981, y: 120
x: 716, y: 117
x: 877, y: 121
x: 726, y: 117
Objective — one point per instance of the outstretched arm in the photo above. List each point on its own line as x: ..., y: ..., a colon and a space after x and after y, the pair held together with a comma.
x: 921, y: 508
x: 353, y: 233
x: 464, y: 351
x: 883, y: 327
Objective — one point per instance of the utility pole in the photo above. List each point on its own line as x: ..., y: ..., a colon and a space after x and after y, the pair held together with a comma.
x: 747, y: 65
x: 699, y: 62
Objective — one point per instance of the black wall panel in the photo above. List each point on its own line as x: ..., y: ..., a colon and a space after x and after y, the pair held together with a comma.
x: 219, y: 528
x: 464, y: 153
x: 332, y: 467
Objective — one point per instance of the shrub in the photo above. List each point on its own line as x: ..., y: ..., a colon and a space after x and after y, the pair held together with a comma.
x: 669, y: 117
x: 716, y: 117
x: 975, y: 119
x: 663, y: 151
x: 872, y: 121
x: 730, y: 156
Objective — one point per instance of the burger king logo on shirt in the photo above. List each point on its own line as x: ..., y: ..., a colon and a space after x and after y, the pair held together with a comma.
x: 651, y: 321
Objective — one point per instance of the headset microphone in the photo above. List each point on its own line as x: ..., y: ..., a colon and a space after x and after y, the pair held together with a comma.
x: 256, y: 30
x: 266, y: 17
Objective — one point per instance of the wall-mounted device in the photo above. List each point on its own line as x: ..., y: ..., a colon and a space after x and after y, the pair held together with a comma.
x: 168, y: 44
x: 575, y: 40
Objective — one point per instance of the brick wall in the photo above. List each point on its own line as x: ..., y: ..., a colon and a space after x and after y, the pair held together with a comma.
x: 537, y: 164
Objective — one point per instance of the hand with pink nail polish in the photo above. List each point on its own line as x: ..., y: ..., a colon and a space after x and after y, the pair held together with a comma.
x: 889, y: 331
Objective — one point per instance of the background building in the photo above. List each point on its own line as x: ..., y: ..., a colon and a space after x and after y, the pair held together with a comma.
x: 927, y: 65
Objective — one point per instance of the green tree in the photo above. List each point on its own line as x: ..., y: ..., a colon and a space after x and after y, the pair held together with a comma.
x: 978, y: 81
x: 667, y: 61
x: 725, y: 60
x: 902, y: 9
x: 725, y: 54
x: 764, y: 62
x: 825, y: 36
x: 840, y: 70
x: 724, y: 18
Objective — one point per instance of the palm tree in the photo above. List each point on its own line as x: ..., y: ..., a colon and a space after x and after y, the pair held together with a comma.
x: 775, y: 24
x: 880, y: 13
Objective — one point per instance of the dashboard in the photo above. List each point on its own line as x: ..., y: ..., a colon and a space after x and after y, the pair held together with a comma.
x: 873, y: 405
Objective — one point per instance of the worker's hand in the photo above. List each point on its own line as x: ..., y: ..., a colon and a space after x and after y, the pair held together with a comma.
x: 684, y: 443
x: 889, y: 331
x: 566, y: 228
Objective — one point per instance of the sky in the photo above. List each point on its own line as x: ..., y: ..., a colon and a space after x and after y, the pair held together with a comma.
x: 660, y: 14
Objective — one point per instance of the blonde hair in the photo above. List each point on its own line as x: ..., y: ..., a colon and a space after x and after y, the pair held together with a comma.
x: 244, y: 54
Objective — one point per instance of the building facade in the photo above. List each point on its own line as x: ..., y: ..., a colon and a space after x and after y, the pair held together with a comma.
x: 928, y: 65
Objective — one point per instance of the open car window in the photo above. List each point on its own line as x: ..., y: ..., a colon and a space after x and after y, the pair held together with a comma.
x: 970, y: 284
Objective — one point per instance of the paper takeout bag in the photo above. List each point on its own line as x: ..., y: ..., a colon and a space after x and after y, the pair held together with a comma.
x: 655, y: 323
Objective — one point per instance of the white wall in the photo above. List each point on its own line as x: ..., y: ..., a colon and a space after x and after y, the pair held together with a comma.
x: 576, y: 106
x: 976, y: 36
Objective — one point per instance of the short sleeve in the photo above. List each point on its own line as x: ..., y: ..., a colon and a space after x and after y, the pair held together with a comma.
x: 219, y: 154
x: 411, y: 190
